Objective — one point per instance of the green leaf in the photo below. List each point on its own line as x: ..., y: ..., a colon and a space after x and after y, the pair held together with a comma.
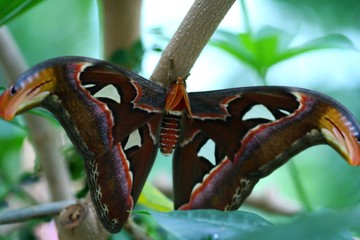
x: 258, y: 51
x: 152, y: 198
x: 9, y: 9
x: 331, y: 41
x: 9, y: 162
x: 209, y: 224
x: 270, y: 46
x: 129, y: 58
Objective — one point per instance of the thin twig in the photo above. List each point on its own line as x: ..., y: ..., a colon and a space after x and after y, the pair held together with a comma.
x: 41, y: 210
x: 246, y: 19
x: 299, y: 186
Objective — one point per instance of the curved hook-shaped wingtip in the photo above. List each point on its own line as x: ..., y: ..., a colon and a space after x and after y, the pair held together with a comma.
x: 6, y: 112
x: 342, y: 133
x: 28, y: 91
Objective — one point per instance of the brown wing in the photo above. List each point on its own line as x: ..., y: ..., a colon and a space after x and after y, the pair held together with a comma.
x: 111, y: 115
x: 136, y: 105
x: 249, y: 144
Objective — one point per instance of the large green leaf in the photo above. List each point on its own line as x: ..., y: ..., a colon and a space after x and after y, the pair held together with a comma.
x: 9, y: 9
x: 329, y: 41
x: 209, y: 224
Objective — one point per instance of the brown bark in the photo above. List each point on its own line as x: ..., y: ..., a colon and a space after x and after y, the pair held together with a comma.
x: 190, y: 38
x: 121, y: 25
x: 79, y: 221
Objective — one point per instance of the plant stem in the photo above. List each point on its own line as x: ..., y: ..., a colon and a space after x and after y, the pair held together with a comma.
x: 245, y: 17
x: 120, y: 24
x: 41, y: 210
x: 300, y: 190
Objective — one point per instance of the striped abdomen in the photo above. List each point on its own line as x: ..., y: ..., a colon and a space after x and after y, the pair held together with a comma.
x: 169, y: 134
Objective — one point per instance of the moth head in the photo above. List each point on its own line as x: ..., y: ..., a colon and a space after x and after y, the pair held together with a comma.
x: 27, y: 92
x: 342, y: 133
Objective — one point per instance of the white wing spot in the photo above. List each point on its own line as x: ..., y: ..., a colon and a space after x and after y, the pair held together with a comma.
x: 208, y: 151
x: 134, y: 140
x: 109, y: 92
x: 89, y: 85
x: 258, y: 111
x: 285, y: 112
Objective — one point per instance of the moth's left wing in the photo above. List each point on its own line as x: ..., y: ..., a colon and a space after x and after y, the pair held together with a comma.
x: 116, y: 178
x: 111, y: 115
x: 254, y: 130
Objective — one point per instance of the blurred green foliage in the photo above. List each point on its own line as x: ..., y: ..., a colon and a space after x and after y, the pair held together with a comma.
x: 327, y: 14
x: 57, y: 28
x: 321, y: 181
x: 11, y: 9
x: 129, y: 58
x: 270, y: 46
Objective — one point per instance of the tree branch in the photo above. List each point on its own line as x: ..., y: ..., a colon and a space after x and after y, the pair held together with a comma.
x: 41, y: 210
x: 121, y: 32
x: 190, y: 38
x: 121, y: 24
x: 79, y: 221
